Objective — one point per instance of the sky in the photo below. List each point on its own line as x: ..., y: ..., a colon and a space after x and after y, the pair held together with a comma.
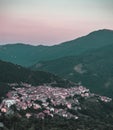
x: 50, y: 22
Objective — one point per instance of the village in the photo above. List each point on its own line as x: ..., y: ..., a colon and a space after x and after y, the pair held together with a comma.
x: 46, y: 100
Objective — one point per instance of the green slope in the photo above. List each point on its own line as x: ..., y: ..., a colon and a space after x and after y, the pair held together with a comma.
x: 93, y: 69
x: 10, y: 73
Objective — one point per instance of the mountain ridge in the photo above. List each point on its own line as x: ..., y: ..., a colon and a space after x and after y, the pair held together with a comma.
x: 27, y: 55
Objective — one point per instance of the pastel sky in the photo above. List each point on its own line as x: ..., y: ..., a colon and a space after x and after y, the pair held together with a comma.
x: 51, y: 22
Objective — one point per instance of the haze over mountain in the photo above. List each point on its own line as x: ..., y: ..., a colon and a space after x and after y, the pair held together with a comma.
x: 52, y: 22
x: 27, y: 55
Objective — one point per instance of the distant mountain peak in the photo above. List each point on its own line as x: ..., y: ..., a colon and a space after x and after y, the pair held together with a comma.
x: 101, y: 32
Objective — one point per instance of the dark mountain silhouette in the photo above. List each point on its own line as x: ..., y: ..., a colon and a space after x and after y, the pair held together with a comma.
x: 10, y: 73
x: 27, y: 55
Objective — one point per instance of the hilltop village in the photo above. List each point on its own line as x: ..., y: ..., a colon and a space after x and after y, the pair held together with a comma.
x: 42, y: 101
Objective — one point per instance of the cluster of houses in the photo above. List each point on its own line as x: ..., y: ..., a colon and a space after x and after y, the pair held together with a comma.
x: 46, y: 100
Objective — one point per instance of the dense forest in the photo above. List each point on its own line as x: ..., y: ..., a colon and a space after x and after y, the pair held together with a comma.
x: 10, y: 73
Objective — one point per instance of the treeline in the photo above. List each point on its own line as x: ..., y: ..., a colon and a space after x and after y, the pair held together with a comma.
x: 10, y: 73
x: 56, y: 123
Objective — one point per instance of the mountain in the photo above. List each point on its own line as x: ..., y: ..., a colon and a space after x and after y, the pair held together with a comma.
x: 93, y: 69
x: 35, y: 99
x: 27, y: 55
x: 10, y: 73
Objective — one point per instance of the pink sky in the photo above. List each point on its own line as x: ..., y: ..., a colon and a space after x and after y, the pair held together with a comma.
x: 51, y: 22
